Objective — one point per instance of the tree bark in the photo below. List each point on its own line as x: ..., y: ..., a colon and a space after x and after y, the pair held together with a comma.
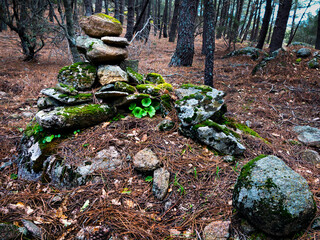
x: 117, y: 9
x: 280, y: 25
x: 121, y: 8
x: 265, y: 25
x: 88, y: 7
x: 209, y: 41
x: 245, y: 19
x: 130, y: 21
x: 98, y: 6
x: 175, y: 19
x: 293, y: 18
x: 165, y: 19
x: 318, y: 33
x: 246, y: 30
x: 183, y: 55
x: 106, y: 6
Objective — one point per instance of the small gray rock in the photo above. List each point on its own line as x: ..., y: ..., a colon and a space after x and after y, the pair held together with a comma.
x: 146, y: 160
x: 310, y: 156
x: 68, y: 99
x: 218, y: 230
x: 228, y: 158
x: 9, y: 231
x: 308, y: 135
x: 47, y: 102
x: 304, y: 52
x: 166, y: 125
x: 27, y: 114
x: 115, y: 41
x: 33, y: 229
x: 160, y: 183
x: 3, y: 95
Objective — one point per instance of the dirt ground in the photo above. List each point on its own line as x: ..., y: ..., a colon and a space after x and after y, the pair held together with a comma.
x: 281, y: 96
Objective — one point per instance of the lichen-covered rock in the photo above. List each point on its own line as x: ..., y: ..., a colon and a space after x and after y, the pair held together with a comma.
x: 252, y: 52
x: 308, y: 135
x: 129, y: 99
x: 219, y: 137
x: 80, y: 76
x: 273, y: 197
x: 310, y: 156
x: 74, y: 117
x: 155, y: 78
x: 115, y: 41
x: 100, y: 25
x: 160, y: 185
x: 47, y: 102
x: 198, y: 103
x: 303, y: 52
x: 66, y: 89
x: 152, y: 89
x: 314, y: 63
x: 124, y: 87
x: 109, y: 74
x: 66, y: 98
x: 99, y: 53
x: 134, y: 77
x: 146, y: 160
x: 133, y: 64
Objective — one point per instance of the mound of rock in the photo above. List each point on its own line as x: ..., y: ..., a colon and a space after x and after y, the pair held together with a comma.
x: 273, y: 197
x: 253, y: 53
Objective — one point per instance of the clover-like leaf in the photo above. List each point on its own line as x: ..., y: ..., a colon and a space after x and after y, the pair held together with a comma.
x: 132, y: 106
x: 146, y: 102
x: 137, y: 112
x: 151, y: 111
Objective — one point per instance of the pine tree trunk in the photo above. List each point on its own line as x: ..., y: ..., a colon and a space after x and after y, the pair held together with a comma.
x: 318, y: 33
x: 256, y: 30
x: 106, y: 6
x: 183, y: 55
x: 121, y: 8
x: 88, y: 7
x: 130, y: 20
x: 293, y: 19
x: 271, y: 22
x: 98, y: 6
x: 254, y: 21
x: 165, y: 19
x: 223, y: 16
x: 209, y: 41
x: 246, y: 30
x: 50, y: 13
x: 117, y: 9
x: 265, y: 25
x: 280, y: 25
x: 245, y: 19
x: 175, y: 20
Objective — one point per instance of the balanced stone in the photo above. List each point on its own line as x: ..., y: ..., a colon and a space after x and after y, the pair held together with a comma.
x: 99, y: 53
x: 67, y: 99
x: 99, y: 25
x: 110, y: 94
x: 115, y: 41
x: 109, y: 74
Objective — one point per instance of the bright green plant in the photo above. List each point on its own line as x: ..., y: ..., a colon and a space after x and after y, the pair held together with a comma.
x: 218, y: 172
x: 13, y: 176
x: 235, y: 168
x: 177, y: 184
x: 146, y: 109
x: 195, y: 173
x: 148, y: 179
x: 49, y: 139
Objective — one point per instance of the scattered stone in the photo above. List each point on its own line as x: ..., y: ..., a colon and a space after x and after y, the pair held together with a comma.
x: 217, y: 230
x: 99, y: 53
x: 108, y: 87
x: 78, y: 76
x: 303, y: 53
x: 100, y: 25
x: 155, y: 78
x: 174, y: 232
x: 3, y: 95
x: 160, y: 186
x: 133, y: 64
x: 15, y: 116
x: 308, y: 135
x: 252, y: 52
x: 199, y: 103
x: 146, y: 160
x: 47, y: 102
x: 96, y: 232
x: 74, y: 117
x: 314, y: 63
x: 166, y: 125
x: 310, y: 156
x: 27, y: 114
x: 67, y: 99
x: 33, y: 229
x: 110, y: 74
x: 273, y: 197
x: 9, y: 232
x: 228, y: 158
x: 3, y: 165
x: 115, y: 41
x: 107, y: 159
x: 301, y: 44
x: 134, y: 77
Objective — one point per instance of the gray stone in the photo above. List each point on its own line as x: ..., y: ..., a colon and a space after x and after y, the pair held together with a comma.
x: 27, y: 114
x: 160, y: 186
x: 133, y: 64
x: 310, y: 156
x: 166, y: 125
x: 314, y: 63
x: 33, y: 229
x: 47, y: 102
x: 135, y: 78
x: 99, y: 53
x: 67, y: 99
x: 273, y: 197
x: 99, y: 25
x: 228, y: 158
x: 110, y: 74
x: 304, y: 52
x: 9, y: 232
x: 146, y: 160
x: 129, y: 99
x: 218, y: 230
x: 115, y: 41
x: 199, y: 103
x: 252, y: 52
x: 77, y: 76
x: 308, y: 135
x: 316, y: 224
x: 3, y: 95
x: 108, y: 87
x: 74, y: 117
x: 110, y: 94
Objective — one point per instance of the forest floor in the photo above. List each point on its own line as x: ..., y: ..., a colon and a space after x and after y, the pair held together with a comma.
x: 284, y: 94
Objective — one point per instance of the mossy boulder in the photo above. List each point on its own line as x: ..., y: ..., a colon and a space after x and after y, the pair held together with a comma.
x: 253, y: 53
x: 135, y: 78
x: 273, y: 197
x: 78, y: 76
x: 66, y: 98
x: 199, y: 103
x: 155, y: 78
x: 100, y: 25
x: 153, y: 89
x: 74, y: 117
x: 124, y: 87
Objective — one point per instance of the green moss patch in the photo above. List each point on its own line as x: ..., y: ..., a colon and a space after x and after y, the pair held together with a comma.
x: 155, y: 78
x: 203, y: 88
x: 105, y: 16
x: 124, y: 87
x: 220, y: 128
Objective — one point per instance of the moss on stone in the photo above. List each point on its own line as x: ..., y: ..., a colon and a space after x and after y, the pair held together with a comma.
x: 155, y: 78
x: 246, y: 169
x: 34, y: 129
x: 149, y: 89
x: 89, y: 109
x: 221, y: 128
x: 105, y: 16
x: 166, y: 86
x: 203, y: 88
x: 137, y: 77
x: 166, y: 101
x: 124, y: 87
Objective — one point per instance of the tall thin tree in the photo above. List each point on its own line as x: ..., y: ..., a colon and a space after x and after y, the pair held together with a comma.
x: 318, y: 33
x: 265, y: 24
x: 174, y: 23
x: 130, y: 21
x: 88, y: 7
x: 98, y: 6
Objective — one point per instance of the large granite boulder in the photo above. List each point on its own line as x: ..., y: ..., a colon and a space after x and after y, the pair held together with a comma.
x: 110, y: 74
x: 308, y: 135
x: 273, y: 197
x: 198, y: 103
x: 99, y: 53
x: 100, y: 25
x: 79, y: 75
x: 74, y: 117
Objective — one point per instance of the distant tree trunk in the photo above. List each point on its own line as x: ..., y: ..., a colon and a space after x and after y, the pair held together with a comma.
x: 130, y: 20
x: 256, y: 30
x: 98, y: 6
x: 271, y: 22
x: 223, y: 17
x: 236, y: 22
x: 318, y: 33
x: 256, y: 15
x: 245, y: 19
x: 121, y: 8
x: 175, y: 19
x: 183, y: 55
x: 265, y: 25
x: 142, y: 18
x: 246, y: 30
x: 88, y: 7
x: 293, y: 18
x: 209, y: 41
x: 217, y: 13
x: 280, y: 25
x: 165, y: 19
x: 137, y: 9
x: 148, y: 27
x: 51, y: 13
x: 159, y: 14
x: 106, y: 6
x: 116, y: 9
